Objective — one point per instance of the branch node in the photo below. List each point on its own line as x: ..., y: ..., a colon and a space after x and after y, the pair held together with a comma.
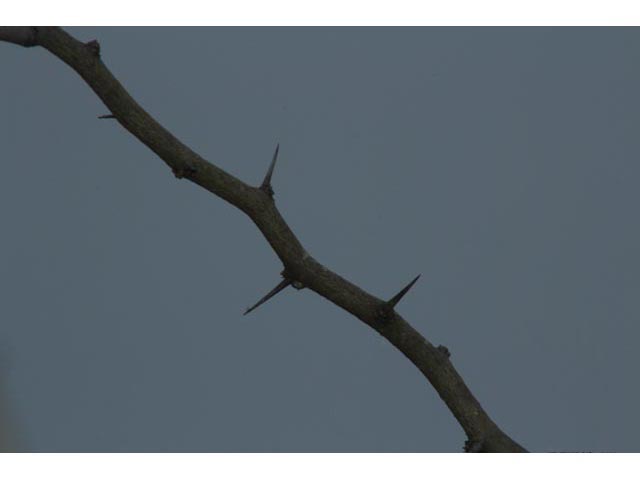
x: 397, y: 297
x: 473, y: 446
x: 186, y: 170
x: 94, y: 48
x: 385, y: 312
x: 444, y: 351
x: 277, y: 289
x: 266, y: 183
x: 297, y: 284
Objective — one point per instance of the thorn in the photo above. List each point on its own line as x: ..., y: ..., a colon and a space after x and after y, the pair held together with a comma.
x: 278, y: 288
x: 266, y: 183
x: 394, y: 301
x: 109, y: 115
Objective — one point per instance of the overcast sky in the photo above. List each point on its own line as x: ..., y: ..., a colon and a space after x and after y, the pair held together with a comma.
x: 501, y: 163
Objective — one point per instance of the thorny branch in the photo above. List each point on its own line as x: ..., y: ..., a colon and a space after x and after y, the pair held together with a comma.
x: 483, y: 435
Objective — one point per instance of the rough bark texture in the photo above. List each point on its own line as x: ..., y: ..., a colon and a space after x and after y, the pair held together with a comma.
x: 483, y: 434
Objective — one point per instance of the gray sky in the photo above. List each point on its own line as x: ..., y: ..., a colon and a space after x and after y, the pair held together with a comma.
x: 501, y: 163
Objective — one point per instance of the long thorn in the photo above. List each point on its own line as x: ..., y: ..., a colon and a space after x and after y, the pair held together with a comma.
x: 281, y: 286
x: 266, y: 183
x: 394, y: 301
x: 109, y: 115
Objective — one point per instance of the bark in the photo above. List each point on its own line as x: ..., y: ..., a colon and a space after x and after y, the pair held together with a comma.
x: 257, y: 202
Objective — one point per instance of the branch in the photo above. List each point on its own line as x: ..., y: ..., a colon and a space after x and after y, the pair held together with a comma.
x: 302, y: 269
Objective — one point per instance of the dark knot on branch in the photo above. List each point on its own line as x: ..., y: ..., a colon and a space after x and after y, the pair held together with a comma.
x: 94, y: 48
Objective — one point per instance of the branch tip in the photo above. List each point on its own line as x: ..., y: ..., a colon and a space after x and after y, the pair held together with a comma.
x: 277, y: 289
x: 394, y: 301
x: 266, y: 183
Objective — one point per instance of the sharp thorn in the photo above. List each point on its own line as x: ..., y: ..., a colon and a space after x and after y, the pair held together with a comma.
x: 394, y: 301
x: 278, y: 288
x: 109, y: 115
x: 266, y: 183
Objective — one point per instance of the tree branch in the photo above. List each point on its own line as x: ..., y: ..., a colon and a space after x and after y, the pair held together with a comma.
x: 257, y: 202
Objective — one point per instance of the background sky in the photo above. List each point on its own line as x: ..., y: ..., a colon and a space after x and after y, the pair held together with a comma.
x: 501, y: 163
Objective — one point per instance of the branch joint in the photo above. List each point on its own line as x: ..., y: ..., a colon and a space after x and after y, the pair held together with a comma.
x: 183, y: 171
x: 94, y: 48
